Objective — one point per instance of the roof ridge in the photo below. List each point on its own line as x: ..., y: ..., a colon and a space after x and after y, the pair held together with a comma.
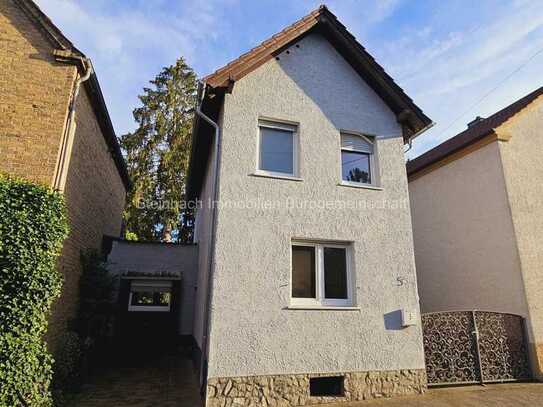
x: 58, y: 39
x: 33, y: 11
x: 472, y: 134
x: 292, y: 27
x: 529, y: 98
x: 322, y: 19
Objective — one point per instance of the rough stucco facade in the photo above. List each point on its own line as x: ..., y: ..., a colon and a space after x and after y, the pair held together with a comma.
x: 36, y: 93
x: 454, y: 231
x: 477, y: 226
x: 253, y: 333
x: 523, y: 168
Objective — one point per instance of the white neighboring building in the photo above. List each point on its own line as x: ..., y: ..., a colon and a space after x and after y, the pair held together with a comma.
x: 306, y: 283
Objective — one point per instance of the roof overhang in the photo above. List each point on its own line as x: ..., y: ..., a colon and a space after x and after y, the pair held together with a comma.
x: 210, y: 101
x: 66, y: 52
x: 322, y: 21
x: 475, y: 136
x: 411, y: 118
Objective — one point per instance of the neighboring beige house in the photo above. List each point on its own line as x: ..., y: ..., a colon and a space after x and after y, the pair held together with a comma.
x: 55, y: 130
x: 477, y: 210
x: 306, y: 283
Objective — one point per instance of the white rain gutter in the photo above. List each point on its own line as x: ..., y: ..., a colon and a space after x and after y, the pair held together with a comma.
x: 418, y: 133
x: 61, y: 172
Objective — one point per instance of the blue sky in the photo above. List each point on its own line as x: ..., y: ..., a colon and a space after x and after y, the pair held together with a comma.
x: 447, y: 55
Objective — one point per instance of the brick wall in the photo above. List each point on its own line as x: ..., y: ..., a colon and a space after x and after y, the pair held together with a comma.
x: 35, y: 92
x: 95, y: 198
x: 34, y: 97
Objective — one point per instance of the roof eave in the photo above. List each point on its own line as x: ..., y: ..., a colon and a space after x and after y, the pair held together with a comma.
x: 66, y: 52
x: 409, y: 115
x: 92, y: 85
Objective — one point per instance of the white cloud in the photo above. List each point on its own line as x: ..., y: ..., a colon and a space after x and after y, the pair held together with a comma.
x: 445, y: 61
x: 130, y: 45
x: 448, y: 75
x: 382, y: 9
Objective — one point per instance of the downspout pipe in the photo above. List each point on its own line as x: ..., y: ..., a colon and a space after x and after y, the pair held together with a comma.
x: 418, y: 133
x: 62, y: 166
x: 211, y: 254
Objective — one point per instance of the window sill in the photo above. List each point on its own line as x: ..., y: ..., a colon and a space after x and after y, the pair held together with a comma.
x: 147, y: 309
x: 277, y: 176
x: 322, y: 308
x: 361, y: 186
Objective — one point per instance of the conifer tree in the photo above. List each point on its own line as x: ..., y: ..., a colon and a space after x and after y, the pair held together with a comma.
x: 157, y: 155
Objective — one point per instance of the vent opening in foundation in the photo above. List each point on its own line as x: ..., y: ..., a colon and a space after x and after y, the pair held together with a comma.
x: 326, y: 386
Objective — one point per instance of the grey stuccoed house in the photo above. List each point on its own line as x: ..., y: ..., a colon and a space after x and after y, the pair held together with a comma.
x: 316, y: 300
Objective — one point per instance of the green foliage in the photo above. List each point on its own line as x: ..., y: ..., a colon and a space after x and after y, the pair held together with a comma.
x: 67, y: 376
x: 130, y: 236
x: 78, y: 349
x: 33, y: 225
x: 96, y: 287
x: 157, y: 154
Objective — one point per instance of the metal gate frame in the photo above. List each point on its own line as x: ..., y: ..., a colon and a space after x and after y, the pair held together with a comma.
x: 470, y: 347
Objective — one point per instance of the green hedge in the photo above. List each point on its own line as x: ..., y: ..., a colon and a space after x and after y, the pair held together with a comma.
x: 33, y: 225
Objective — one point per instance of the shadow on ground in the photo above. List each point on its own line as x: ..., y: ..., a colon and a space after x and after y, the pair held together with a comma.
x: 132, y: 379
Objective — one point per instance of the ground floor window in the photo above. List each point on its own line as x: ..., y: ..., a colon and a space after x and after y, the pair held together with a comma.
x: 149, y: 295
x: 321, y: 274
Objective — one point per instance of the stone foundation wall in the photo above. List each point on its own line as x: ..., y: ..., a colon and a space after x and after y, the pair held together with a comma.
x: 293, y: 390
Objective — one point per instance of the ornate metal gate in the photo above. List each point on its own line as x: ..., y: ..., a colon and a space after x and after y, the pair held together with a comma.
x: 463, y: 347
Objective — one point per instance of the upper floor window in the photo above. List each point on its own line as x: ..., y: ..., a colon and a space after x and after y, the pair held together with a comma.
x: 357, y: 159
x: 277, y: 148
x: 321, y: 274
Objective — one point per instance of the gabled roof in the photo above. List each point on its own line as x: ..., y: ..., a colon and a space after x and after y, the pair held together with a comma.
x: 471, y: 135
x: 68, y: 53
x: 325, y: 22
x: 321, y: 21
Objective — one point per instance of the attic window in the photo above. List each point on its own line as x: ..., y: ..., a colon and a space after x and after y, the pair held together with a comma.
x: 357, y: 159
x: 326, y: 386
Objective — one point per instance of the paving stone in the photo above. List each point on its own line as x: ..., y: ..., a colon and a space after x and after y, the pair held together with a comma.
x: 168, y: 382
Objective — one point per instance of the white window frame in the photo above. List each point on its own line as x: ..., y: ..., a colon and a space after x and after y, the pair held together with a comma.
x: 374, y: 176
x: 278, y: 125
x: 150, y: 308
x: 320, y: 300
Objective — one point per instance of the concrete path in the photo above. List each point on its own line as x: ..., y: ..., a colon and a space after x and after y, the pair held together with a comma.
x: 494, y: 395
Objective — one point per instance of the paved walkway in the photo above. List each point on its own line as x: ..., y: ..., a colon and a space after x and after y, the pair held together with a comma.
x: 168, y: 382
x: 494, y: 395
x: 171, y: 382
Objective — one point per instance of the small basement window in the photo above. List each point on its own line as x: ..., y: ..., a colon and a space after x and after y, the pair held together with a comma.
x: 151, y: 296
x: 326, y: 386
